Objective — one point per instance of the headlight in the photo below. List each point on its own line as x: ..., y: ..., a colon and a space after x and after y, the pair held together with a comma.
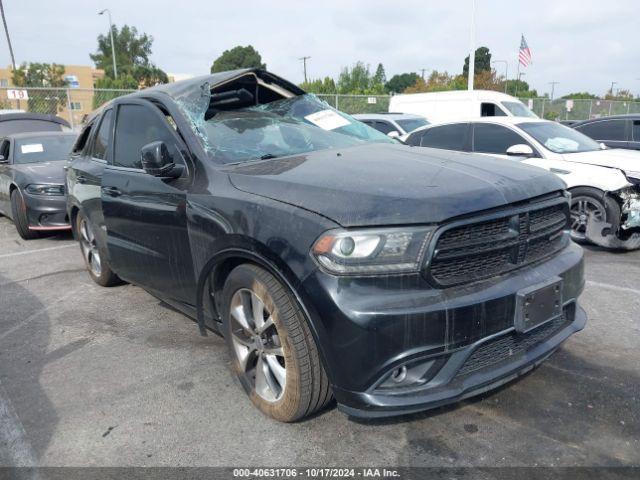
x: 372, y: 251
x: 36, y: 189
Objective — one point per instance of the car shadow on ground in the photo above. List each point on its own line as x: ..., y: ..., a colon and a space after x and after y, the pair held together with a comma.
x: 24, y: 338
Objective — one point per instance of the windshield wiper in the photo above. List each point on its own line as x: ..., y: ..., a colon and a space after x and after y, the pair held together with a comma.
x: 267, y: 156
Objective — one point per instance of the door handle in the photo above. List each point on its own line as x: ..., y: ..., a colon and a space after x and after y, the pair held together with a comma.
x: 81, y: 179
x: 111, y: 191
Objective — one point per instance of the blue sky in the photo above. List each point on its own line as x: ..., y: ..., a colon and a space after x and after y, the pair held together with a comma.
x: 583, y: 44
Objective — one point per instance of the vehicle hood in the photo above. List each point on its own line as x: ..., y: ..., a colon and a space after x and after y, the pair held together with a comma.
x: 49, y: 172
x: 380, y: 184
x: 627, y: 160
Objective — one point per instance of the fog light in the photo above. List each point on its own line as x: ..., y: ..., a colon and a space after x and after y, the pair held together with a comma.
x: 412, y: 374
x: 399, y: 374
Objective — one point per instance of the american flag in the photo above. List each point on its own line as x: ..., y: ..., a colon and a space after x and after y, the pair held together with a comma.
x: 524, y: 56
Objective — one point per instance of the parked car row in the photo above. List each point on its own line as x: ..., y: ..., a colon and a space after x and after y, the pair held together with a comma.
x: 337, y: 262
x: 604, y: 183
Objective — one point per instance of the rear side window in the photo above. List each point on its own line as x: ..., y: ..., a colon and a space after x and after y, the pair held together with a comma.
x: 137, y: 126
x: 491, y: 110
x: 636, y: 130
x: 604, y: 130
x: 496, y: 139
x: 101, y: 141
x: 449, y: 137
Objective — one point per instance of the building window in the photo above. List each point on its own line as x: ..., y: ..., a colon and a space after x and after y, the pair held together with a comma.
x: 4, y: 82
x: 76, y: 106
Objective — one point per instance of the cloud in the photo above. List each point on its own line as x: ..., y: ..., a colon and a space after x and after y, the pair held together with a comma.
x: 583, y: 44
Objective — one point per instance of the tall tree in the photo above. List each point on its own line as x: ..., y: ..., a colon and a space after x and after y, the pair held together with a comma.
x: 380, y: 77
x: 132, y: 56
x: 42, y: 75
x: 482, y: 61
x: 238, y: 57
x: 399, y: 83
x: 355, y: 79
x: 324, y: 86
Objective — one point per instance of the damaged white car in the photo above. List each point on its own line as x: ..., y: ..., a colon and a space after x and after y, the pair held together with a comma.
x: 604, y: 183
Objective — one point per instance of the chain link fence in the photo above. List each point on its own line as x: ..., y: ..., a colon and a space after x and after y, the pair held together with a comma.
x: 73, y: 104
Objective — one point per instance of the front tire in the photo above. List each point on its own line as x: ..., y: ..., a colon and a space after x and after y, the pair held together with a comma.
x: 273, y: 352
x: 94, y: 257
x: 586, y: 201
x: 19, y: 213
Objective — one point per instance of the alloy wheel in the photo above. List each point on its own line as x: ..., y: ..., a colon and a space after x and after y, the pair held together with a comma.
x: 257, y: 345
x: 582, y: 207
x: 90, y: 248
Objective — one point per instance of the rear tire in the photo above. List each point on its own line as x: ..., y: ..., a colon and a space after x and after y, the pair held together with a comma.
x: 585, y: 201
x: 273, y: 351
x: 94, y: 256
x: 20, y: 219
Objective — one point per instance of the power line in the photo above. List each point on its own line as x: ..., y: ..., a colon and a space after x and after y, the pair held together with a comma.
x: 304, y: 66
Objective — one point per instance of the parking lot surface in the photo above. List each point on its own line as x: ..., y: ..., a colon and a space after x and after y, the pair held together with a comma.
x: 91, y: 376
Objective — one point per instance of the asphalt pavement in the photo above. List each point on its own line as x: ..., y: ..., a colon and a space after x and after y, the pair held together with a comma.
x: 93, y: 376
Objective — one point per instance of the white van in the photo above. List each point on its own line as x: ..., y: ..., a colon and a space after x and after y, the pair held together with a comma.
x: 444, y: 106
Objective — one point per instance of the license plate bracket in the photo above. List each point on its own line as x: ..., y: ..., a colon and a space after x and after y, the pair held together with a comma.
x: 538, y: 304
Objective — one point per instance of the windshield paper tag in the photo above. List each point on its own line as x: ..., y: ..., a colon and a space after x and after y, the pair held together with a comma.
x: 327, y: 119
x: 32, y: 148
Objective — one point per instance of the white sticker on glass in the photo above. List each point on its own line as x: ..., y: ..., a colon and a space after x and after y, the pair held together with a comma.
x: 32, y: 148
x: 327, y: 119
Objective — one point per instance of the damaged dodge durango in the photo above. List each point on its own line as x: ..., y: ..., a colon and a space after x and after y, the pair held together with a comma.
x: 336, y: 262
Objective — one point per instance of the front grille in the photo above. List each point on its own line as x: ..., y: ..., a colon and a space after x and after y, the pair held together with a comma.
x: 482, y: 249
x: 512, y: 344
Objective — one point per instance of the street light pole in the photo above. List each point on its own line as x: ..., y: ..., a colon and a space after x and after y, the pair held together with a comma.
x: 506, y: 72
x: 612, y: 85
x: 472, y: 46
x: 113, y: 49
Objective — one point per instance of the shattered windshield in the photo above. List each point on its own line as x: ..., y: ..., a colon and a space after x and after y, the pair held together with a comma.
x: 285, y: 127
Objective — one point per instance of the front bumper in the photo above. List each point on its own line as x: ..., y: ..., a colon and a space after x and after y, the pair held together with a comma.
x: 47, y: 212
x: 369, y: 327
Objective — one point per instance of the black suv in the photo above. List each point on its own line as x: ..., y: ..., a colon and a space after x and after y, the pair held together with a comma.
x: 335, y: 262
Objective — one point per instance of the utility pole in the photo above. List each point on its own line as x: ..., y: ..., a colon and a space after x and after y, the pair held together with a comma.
x: 553, y: 86
x: 113, y: 49
x: 472, y: 46
x: 506, y: 72
x: 612, y: 85
x: 304, y: 66
x: 423, y: 70
x: 6, y: 31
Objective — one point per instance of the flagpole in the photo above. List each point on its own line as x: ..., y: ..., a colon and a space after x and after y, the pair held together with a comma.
x: 518, y: 72
x: 472, y: 47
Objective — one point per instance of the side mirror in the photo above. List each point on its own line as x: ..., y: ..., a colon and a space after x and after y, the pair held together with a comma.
x: 393, y: 134
x: 520, y: 150
x: 157, y: 161
x: 603, y: 146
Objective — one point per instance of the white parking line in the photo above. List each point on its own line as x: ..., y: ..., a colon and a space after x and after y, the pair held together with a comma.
x: 613, y: 287
x: 26, y: 252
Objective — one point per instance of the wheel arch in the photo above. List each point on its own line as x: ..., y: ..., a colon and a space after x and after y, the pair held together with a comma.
x: 220, y: 265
